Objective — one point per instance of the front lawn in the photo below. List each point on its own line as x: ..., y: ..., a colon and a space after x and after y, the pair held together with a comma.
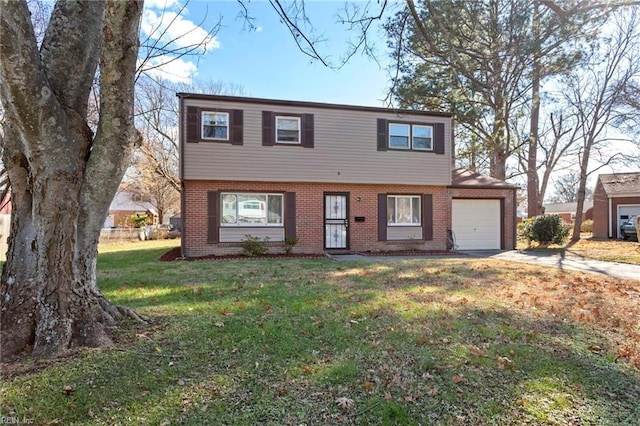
x: 607, y: 250
x: 317, y: 341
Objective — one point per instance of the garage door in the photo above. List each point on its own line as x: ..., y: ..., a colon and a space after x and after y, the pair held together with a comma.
x: 476, y: 224
x: 626, y: 212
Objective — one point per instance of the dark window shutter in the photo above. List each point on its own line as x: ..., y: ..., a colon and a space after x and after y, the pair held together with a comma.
x: 382, y: 217
x: 427, y: 217
x: 438, y: 138
x: 382, y: 134
x: 290, y: 215
x: 193, y: 124
x: 236, y: 123
x: 268, y: 131
x: 307, y: 130
x: 212, y: 216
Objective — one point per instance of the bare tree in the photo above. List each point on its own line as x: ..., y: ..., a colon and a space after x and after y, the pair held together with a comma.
x: 596, y: 97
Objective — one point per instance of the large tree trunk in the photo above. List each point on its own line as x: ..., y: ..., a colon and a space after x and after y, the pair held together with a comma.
x: 62, y: 176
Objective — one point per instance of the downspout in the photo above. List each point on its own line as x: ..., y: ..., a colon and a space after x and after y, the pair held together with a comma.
x: 515, y: 218
x: 610, y: 218
x: 183, y: 220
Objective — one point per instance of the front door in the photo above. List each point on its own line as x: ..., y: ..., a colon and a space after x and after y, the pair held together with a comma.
x: 336, y: 221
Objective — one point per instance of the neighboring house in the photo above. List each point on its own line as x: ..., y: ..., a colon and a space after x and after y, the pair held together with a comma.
x: 567, y: 211
x: 335, y: 177
x: 126, y: 204
x: 615, y: 199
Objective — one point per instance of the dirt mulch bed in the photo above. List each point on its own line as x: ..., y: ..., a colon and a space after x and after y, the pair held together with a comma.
x: 174, y: 254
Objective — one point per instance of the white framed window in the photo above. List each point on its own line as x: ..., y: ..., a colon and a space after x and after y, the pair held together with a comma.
x: 251, y: 209
x: 411, y: 136
x: 215, y: 125
x: 403, y: 210
x: 287, y: 129
x: 422, y: 137
x: 399, y: 135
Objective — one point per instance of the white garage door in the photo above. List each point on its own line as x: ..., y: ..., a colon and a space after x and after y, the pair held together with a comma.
x: 476, y: 224
x: 626, y: 212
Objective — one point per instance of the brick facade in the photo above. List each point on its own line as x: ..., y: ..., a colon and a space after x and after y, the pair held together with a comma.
x: 363, y: 202
x: 363, y: 236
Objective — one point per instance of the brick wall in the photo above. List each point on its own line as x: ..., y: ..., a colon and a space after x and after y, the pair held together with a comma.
x: 363, y: 201
x: 508, y: 221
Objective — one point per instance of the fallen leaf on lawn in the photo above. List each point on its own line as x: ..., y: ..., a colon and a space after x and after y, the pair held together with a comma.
x: 387, y: 396
x: 477, y: 351
x: 219, y: 324
x: 504, y: 362
x: 457, y: 378
x: 595, y: 348
x: 367, y: 385
x: 344, y: 403
x: 68, y: 390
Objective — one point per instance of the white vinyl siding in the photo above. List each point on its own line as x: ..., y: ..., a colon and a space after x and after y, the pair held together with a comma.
x: 345, y: 150
x: 404, y: 233
x: 239, y: 234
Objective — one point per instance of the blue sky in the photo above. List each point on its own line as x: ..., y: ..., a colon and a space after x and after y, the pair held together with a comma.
x: 267, y: 63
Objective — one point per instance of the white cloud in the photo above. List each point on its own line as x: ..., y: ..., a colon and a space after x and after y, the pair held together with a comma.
x: 174, y: 28
x: 160, y: 4
x: 176, y: 70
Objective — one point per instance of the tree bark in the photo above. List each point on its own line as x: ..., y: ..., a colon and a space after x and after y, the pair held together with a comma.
x: 62, y: 176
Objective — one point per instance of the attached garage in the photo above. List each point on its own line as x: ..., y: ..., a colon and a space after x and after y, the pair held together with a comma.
x: 483, y: 212
x: 476, y: 224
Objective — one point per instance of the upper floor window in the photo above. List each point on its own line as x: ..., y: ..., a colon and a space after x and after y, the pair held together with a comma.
x: 215, y: 125
x: 252, y: 209
x: 403, y: 210
x: 287, y: 129
x: 410, y: 136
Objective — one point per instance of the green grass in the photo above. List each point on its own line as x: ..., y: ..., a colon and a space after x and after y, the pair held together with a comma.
x: 279, y: 341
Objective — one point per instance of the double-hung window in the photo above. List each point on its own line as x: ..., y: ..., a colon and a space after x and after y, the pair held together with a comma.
x: 288, y: 129
x: 410, y: 136
x: 251, y: 209
x: 403, y: 210
x: 215, y: 125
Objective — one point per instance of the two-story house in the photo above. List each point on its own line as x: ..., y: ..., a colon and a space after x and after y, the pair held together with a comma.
x: 334, y: 177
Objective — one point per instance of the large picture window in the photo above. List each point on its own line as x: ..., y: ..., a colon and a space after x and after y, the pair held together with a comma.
x: 287, y: 129
x: 215, y: 125
x: 247, y: 209
x: 403, y: 210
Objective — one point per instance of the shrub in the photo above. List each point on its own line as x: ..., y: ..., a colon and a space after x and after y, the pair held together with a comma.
x: 587, y: 226
x: 289, y: 244
x: 545, y: 230
x: 254, y: 246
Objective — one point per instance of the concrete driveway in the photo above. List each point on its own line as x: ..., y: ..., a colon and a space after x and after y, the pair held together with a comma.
x: 554, y: 260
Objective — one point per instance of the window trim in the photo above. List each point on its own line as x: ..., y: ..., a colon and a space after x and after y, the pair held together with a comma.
x: 411, y: 197
x: 228, y: 126
x: 411, y: 125
x: 237, y: 224
x: 287, y: 117
x: 430, y: 137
